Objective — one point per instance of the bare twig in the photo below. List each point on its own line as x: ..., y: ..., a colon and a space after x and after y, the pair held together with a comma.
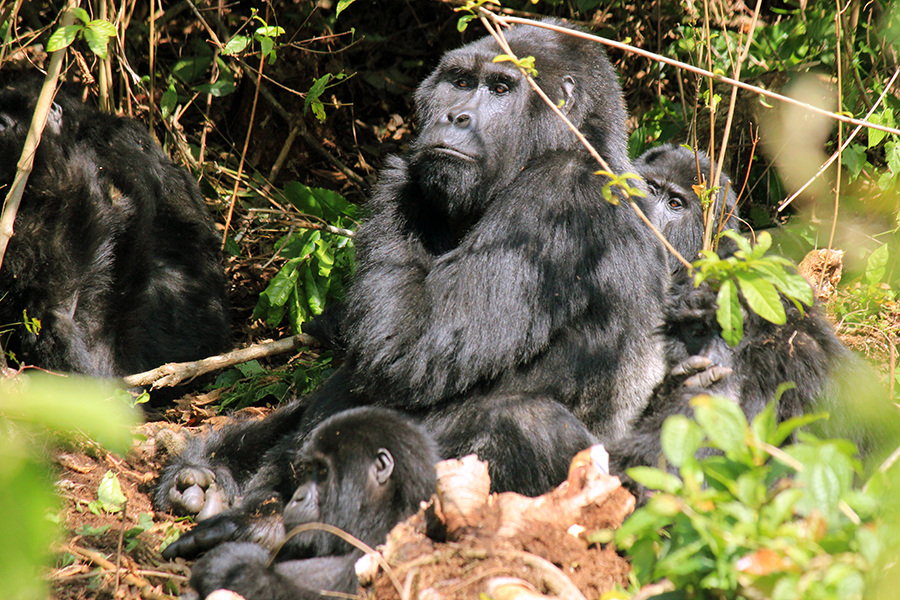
x: 32, y: 140
x: 484, y: 15
x: 347, y: 538
x: 101, y: 561
x: 843, y: 146
x: 174, y: 373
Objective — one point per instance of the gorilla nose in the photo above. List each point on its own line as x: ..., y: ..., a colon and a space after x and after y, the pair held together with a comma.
x: 462, y: 119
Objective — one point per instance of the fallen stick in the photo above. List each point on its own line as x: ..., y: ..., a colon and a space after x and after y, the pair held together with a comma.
x: 171, y: 374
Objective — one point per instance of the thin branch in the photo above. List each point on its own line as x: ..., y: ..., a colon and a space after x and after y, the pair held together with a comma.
x: 484, y: 15
x: 843, y: 147
x: 174, y: 373
x: 32, y: 140
x: 696, y: 70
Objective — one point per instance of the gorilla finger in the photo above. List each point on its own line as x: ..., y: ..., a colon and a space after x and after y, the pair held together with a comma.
x: 708, y: 377
x: 192, y: 476
x: 204, y: 537
x: 692, y: 365
x: 214, y: 504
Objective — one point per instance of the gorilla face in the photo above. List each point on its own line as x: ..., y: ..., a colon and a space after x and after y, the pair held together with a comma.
x: 481, y: 123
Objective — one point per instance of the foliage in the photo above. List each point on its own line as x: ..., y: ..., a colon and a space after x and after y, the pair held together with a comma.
x: 31, y: 408
x: 248, y: 384
x: 318, y: 262
x: 753, y: 521
x: 96, y: 32
x: 757, y: 278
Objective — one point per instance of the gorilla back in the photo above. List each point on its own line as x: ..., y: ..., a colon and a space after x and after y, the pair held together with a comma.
x: 113, y: 249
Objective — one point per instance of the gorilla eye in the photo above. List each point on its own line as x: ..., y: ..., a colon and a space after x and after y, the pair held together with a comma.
x: 500, y: 88
x: 462, y: 83
x: 676, y: 202
x: 321, y: 472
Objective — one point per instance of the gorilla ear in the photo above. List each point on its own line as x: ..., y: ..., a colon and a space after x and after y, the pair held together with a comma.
x: 568, y: 90
x: 382, y: 466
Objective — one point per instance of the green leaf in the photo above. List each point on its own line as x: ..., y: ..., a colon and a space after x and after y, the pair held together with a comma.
x: 855, y: 159
x: 168, y: 102
x: 81, y: 14
x: 463, y: 22
x: 742, y: 242
x: 791, y: 284
x: 266, y: 45
x: 886, y: 118
x: 63, y: 38
x: 680, y: 438
x: 655, y: 479
x: 876, y: 265
x: 341, y: 5
x: 314, y: 295
x: 762, y: 297
x: 765, y: 424
x: 728, y: 313
x: 723, y: 421
x: 109, y: 493
x: 281, y: 286
x: 251, y: 368
x: 270, y: 31
x: 236, y: 45
x: 312, y: 96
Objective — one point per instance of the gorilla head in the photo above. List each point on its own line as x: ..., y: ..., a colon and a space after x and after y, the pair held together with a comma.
x: 362, y: 471
x: 471, y: 112
x: 673, y: 206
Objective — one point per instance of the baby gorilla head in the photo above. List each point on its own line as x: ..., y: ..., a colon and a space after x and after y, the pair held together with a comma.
x: 362, y: 471
x: 673, y: 206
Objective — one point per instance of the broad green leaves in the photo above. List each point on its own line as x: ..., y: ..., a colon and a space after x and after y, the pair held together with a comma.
x: 96, y: 32
x: 305, y: 282
x: 751, y: 521
x: 759, y: 278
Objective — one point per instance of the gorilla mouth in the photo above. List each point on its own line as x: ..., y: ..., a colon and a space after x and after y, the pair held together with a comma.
x: 452, y: 152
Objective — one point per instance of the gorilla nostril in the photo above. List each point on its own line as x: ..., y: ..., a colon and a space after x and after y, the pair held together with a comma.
x: 462, y: 120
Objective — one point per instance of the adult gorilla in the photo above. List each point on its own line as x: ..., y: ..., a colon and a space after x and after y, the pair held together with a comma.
x: 114, y: 251
x: 499, y: 299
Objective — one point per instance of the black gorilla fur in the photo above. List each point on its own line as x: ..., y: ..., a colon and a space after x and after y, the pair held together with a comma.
x: 113, y: 249
x: 363, y: 471
x: 673, y: 206
x: 804, y: 350
x: 495, y: 294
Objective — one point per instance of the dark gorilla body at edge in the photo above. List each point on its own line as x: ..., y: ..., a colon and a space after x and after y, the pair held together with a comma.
x: 494, y: 296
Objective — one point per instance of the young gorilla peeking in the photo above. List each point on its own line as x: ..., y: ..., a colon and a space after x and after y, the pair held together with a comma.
x: 113, y: 251
x: 671, y: 172
x: 827, y: 376
x: 498, y: 299
x: 804, y: 350
x: 363, y: 471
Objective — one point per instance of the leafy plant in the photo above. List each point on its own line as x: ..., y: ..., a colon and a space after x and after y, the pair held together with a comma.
x: 31, y: 408
x: 753, y: 520
x: 318, y: 262
x: 757, y: 277
x: 96, y: 32
x: 264, y: 35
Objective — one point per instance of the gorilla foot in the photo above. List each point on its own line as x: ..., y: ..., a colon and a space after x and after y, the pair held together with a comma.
x: 195, y: 492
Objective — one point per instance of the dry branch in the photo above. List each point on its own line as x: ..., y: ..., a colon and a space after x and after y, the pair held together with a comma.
x: 171, y: 374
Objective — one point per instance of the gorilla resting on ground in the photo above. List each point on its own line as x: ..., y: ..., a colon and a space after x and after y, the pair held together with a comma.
x: 499, y: 299
x: 113, y: 249
x: 673, y: 206
x: 363, y: 471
